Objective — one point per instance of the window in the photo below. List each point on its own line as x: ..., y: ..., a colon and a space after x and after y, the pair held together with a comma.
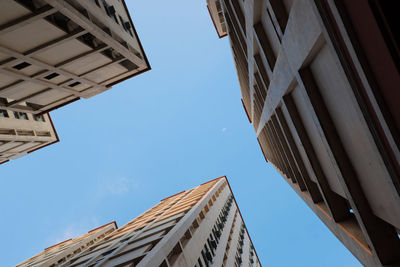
x: 43, y: 133
x: 38, y: 118
x: 3, y: 113
x: 20, y: 115
x: 74, y: 84
x: 108, y: 252
x: 200, y: 216
x: 127, y: 26
x: 51, y: 76
x: 240, y: 15
x: 279, y: 10
x: 212, y: 248
x: 7, y: 131
x: 273, y: 24
x: 129, y: 65
x: 21, y: 66
x: 110, y: 11
x: 185, y: 238
x: 265, y: 44
x: 198, y: 264
x: 25, y: 133
x: 174, y: 254
x: 203, y: 254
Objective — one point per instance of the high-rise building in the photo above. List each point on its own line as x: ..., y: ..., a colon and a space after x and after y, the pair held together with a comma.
x: 59, y: 253
x: 22, y: 133
x: 54, y: 52
x: 217, y: 16
x: 320, y: 84
x: 198, y: 227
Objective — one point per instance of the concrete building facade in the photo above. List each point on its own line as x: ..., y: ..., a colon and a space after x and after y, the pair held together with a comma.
x: 54, y: 52
x: 22, y: 133
x: 200, y: 227
x: 61, y: 252
x: 320, y: 82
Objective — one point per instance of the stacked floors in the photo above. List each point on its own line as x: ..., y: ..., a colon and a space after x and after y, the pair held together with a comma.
x: 22, y: 133
x: 320, y: 83
x: 54, y: 52
x: 197, y: 227
x: 61, y: 252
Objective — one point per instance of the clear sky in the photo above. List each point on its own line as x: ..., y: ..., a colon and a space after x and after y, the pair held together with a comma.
x: 169, y: 129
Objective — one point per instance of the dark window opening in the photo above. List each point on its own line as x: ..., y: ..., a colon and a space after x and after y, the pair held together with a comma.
x: 28, y: 4
x: 38, y: 118
x: 110, y: 9
x: 265, y: 44
x: 62, y: 22
x: 21, y: 66
x: 240, y: 15
x: 278, y: 8
x: 108, y: 252
x: 389, y: 13
x: 273, y: 24
x: 7, y: 131
x: 110, y: 53
x: 203, y: 254
x: 198, y: 264
x: 51, y: 76
x: 211, y: 247
x: 3, y: 113
x: 74, y: 84
x: 25, y: 133
x: 127, y: 27
x: 20, y: 115
x: 129, y: 65
x: 174, y: 254
x: 90, y: 40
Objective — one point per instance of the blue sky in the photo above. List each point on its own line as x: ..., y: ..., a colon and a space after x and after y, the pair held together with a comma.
x: 169, y: 129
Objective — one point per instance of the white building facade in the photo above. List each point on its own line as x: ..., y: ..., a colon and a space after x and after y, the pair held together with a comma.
x: 22, y: 133
x: 54, y: 52
x: 320, y: 84
x: 200, y: 227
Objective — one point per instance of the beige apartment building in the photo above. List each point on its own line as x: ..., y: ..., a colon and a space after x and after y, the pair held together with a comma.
x: 199, y: 227
x: 22, y: 133
x: 320, y: 84
x: 54, y: 52
x: 58, y: 253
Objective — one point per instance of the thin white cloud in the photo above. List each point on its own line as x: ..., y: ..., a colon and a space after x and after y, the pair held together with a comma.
x: 120, y: 186
x: 223, y: 130
x: 71, y: 231
x: 75, y: 229
x: 114, y: 186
